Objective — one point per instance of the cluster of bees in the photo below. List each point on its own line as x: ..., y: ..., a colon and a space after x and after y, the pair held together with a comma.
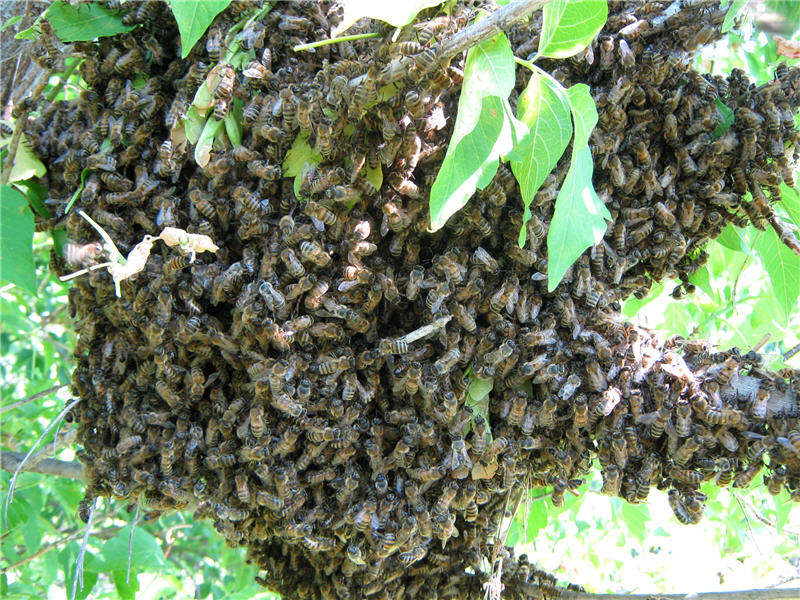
x: 282, y: 388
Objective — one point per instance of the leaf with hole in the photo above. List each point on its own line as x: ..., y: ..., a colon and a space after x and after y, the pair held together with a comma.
x: 16, y: 239
x: 193, y: 18
x: 569, y: 26
x: 85, y: 21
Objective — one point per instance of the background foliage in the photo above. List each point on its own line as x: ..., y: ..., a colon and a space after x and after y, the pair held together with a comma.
x: 748, y: 289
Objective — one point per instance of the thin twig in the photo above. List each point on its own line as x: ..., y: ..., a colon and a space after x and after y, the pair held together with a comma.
x: 749, y: 526
x: 82, y: 553
x: 765, y: 519
x: 13, y: 481
x: 105, y: 533
x: 32, y: 397
x: 130, y: 541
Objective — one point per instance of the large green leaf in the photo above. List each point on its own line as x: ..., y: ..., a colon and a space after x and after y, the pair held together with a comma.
x: 783, y: 267
x: 488, y: 71
x: 472, y: 163
x: 193, y: 18
x: 569, y: 26
x: 736, y: 8
x: 84, y: 22
x: 790, y: 201
x: 579, y: 217
x: 544, y: 108
x: 394, y: 13
x: 16, y: 239
x: 578, y: 220
x: 146, y: 553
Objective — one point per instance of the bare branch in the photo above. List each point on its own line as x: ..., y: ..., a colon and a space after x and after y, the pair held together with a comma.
x: 10, y: 461
x: 498, y: 22
x: 32, y: 397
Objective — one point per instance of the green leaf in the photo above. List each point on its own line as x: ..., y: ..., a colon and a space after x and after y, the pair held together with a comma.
x: 479, y: 389
x: 202, y: 151
x: 299, y: 159
x: 635, y: 519
x: 84, y: 22
x: 35, y: 193
x: 633, y: 304
x: 146, y: 553
x: 233, y: 124
x: 193, y: 124
x: 783, y: 267
x: 584, y: 114
x: 544, y: 108
x: 702, y: 279
x: 77, y: 194
x: 126, y: 590
x: 736, y: 9
x: 374, y: 176
x: 568, y: 27
x: 485, y: 116
x: 16, y: 239
x: 733, y: 238
x: 11, y: 21
x: 394, y: 13
x: 578, y: 220
x: 790, y: 201
x: 193, y: 18
x: 489, y: 71
x: 726, y: 118
x: 473, y: 162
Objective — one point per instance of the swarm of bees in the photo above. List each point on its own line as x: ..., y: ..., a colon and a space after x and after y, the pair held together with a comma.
x: 281, y: 388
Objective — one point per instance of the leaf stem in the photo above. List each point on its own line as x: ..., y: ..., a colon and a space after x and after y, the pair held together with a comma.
x: 346, y: 38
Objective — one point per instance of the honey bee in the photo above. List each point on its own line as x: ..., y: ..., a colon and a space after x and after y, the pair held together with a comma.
x: 777, y: 480
x: 313, y: 252
x: 82, y: 254
x: 264, y: 170
x: 612, y: 479
x: 727, y: 370
x: 743, y: 478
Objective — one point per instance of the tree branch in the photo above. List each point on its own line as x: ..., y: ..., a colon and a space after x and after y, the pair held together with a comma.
x: 10, y: 461
x: 499, y: 21
x: 32, y: 397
